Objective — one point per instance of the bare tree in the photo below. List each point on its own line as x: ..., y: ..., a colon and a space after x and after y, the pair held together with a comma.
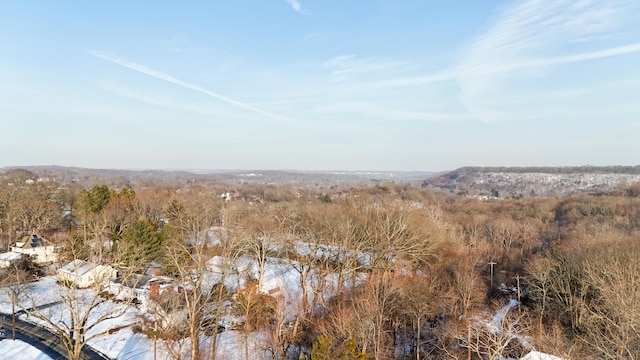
x: 153, y: 203
x: 342, y: 230
x: 490, y: 343
x: 467, y: 289
x: 77, y: 316
x: 418, y: 299
x: 193, y: 211
x: 231, y: 246
x: 256, y: 310
x: 167, y: 321
x: 262, y: 232
x: 282, y: 337
x: 364, y: 316
x: 540, y: 272
x: 14, y: 283
x: 203, y: 288
x: 395, y: 237
x: 613, y: 319
x: 30, y: 212
x: 191, y: 266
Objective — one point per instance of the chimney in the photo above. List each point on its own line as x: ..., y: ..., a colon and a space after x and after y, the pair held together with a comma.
x: 154, y: 289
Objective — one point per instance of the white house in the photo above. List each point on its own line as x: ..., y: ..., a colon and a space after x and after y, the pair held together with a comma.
x: 7, y: 258
x: 85, y: 274
x: 41, y: 249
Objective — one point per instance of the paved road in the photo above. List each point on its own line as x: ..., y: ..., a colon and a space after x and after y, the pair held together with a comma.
x: 44, y: 340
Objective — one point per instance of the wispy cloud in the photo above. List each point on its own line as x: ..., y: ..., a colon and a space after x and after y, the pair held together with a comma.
x: 535, y: 34
x: 344, y: 67
x: 377, y: 111
x: 17, y: 88
x: 483, y: 69
x: 162, y: 76
x: 531, y: 35
x: 200, y: 108
x: 297, y: 7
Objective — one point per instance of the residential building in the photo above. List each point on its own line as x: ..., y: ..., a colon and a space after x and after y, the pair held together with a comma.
x: 85, y: 274
x: 41, y: 249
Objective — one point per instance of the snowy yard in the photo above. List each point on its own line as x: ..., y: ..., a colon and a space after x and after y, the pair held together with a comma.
x: 16, y: 349
x: 122, y: 343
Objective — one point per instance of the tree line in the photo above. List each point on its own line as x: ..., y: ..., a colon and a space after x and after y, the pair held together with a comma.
x: 386, y: 271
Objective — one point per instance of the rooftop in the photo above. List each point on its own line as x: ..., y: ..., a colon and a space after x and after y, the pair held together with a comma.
x: 32, y: 241
x: 78, y: 267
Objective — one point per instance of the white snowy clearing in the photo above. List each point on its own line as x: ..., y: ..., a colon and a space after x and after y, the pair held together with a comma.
x: 122, y: 343
x: 16, y: 349
x: 536, y: 355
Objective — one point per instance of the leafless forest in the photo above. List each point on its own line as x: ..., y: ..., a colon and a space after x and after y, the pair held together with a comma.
x: 391, y: 270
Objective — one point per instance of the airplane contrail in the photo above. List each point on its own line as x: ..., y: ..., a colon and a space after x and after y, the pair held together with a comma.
x: 162, y: 76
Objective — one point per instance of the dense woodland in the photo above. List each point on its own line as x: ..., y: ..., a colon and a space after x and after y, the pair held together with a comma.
x: 425, y: 287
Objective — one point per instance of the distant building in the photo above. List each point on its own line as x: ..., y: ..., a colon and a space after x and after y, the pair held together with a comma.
x: 85, y: 274
x: 137, y: 287
x: 41, y: 249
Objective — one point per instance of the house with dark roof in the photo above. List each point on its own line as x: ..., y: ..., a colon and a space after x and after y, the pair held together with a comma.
x: 41, y: 249
x: 139, y: 288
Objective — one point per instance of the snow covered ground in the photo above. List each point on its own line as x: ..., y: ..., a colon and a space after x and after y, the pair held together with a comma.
x: 18, y: 350
x: 124, y: 344
x: 536, y: 355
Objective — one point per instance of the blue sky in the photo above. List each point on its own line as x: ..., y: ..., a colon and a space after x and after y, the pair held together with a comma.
x: 319, y: 84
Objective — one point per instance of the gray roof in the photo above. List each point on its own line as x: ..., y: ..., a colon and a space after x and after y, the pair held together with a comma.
x: 10, y: 256
x: 134, y: 281
x: 78, y: 267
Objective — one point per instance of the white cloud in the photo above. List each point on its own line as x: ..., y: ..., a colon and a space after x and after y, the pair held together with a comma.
x: 297, y: 7
x: 488, y: 68
x: 525, y: 39
x: 535, y: 35
x: 538, y: 30
x: 162, y: 76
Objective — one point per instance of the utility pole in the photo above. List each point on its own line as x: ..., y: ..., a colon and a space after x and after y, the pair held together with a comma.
x: 491, y: 263
x: 518, y: 277
x: 468, y: 321
x: 155, y: 337
x: 468, y: 339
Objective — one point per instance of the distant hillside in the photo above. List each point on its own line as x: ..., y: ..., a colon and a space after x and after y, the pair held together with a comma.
x: 540, y: 181
x: 140, y: 178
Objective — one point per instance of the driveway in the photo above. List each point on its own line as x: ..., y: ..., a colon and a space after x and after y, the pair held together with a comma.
x: 43, y: 339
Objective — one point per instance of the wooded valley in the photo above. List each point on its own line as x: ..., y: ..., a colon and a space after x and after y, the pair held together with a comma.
x: 383, y: 270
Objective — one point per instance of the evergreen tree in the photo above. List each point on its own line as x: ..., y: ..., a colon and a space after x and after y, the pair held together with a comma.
x: 170, y: 238
x: 140, y: 243
x: 94, y: 200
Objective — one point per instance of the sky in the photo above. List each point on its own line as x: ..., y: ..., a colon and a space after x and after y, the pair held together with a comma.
x: 413, y: 85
